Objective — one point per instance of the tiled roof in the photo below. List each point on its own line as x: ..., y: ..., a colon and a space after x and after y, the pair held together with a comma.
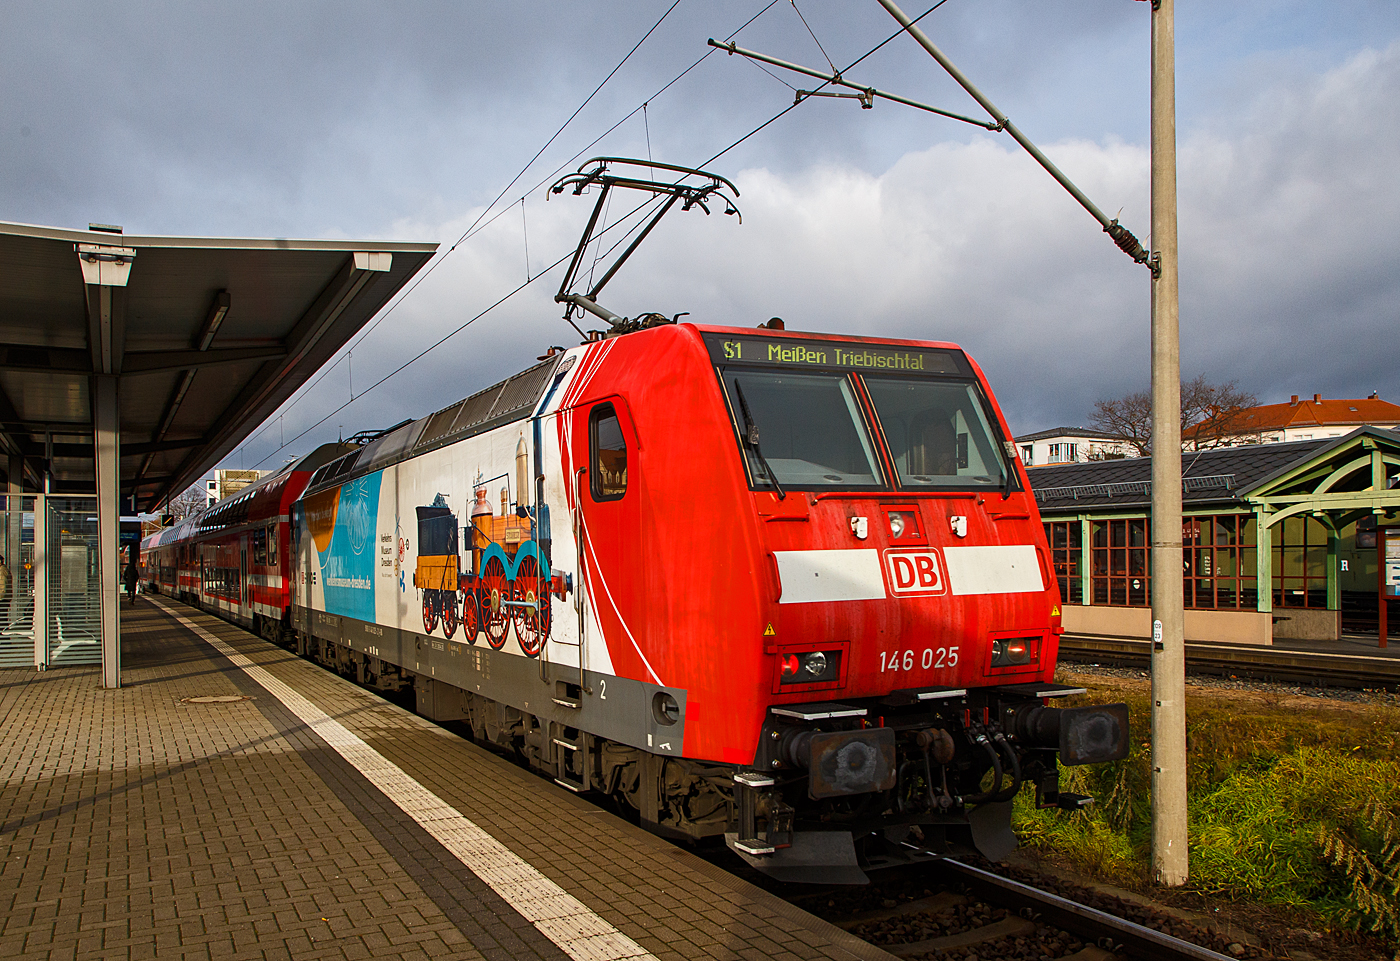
x: 1320, y: 413
x: 1065, y: 432
x: 1208, y: 477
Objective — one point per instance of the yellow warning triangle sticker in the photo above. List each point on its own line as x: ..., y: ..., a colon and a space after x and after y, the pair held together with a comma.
x: 768, y: 631
x: 1055, y: 611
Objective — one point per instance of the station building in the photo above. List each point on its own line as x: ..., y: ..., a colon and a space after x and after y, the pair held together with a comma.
x: 1289, y: 540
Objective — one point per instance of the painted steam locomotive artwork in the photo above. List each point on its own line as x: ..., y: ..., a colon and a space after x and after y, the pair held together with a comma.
x: 801, y: 599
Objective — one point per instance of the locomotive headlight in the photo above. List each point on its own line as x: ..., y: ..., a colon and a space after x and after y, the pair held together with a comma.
x: 902, y: 524
x: 809, y: 667
x: 1011, y: 651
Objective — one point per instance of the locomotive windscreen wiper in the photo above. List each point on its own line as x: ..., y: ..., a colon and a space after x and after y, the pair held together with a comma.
x: 751, y: 439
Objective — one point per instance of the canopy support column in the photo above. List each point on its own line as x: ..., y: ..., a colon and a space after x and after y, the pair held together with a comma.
x: 106, y: 443
x: 40, y: 558
x: 1264, y: 561
x: 1086, y: 581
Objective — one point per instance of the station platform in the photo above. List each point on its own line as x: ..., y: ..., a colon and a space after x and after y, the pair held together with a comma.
x: 232, y: 801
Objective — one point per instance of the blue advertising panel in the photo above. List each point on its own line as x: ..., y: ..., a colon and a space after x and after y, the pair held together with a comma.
x: 347, y: 564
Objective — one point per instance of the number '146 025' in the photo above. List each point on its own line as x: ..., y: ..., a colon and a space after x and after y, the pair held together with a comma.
x: 907, y: 660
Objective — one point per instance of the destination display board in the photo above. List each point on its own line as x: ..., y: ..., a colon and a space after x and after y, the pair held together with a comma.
x: 729, y: 350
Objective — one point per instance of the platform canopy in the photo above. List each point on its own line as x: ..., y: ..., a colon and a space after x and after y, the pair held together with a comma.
x: 201, y: 339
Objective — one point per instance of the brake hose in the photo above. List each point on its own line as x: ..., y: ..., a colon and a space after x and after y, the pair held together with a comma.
x: 981, y: 741
x: 1006, y: 747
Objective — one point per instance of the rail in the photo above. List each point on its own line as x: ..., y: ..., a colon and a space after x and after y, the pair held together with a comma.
x: 1317, y: 668
x: 1089, y: 923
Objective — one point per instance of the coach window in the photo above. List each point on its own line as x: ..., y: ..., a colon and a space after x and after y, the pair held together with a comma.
x: 607, y: 454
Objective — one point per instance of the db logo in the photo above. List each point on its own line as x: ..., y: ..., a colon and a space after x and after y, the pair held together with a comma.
x: 914, y: 572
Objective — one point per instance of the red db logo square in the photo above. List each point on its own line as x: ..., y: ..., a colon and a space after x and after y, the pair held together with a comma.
x: 914, y: 572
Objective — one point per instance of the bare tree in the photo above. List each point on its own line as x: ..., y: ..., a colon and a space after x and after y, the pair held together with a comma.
x: 1212, y: 415
x: 189, y: 503
x: 1127, y: 419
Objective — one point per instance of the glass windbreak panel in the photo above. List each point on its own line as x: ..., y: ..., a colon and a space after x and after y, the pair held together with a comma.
x: 17, y: 584
x: 938, y: 433
x: 808, y: 429
x: 75, y: 603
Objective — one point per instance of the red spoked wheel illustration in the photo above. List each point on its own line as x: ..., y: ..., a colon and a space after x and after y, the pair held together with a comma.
x: 495, y: 592
x: 470, y: 620
x: 430, y: 614
x: 448, y: 600
x: 531, y: 612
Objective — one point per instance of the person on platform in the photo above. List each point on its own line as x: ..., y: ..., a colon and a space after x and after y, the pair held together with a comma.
x: 129, y: 578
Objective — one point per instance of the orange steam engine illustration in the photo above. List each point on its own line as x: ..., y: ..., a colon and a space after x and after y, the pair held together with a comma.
x: 506, y: 582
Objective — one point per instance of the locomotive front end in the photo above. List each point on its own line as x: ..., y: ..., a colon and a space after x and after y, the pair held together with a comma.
x: 913, y: 622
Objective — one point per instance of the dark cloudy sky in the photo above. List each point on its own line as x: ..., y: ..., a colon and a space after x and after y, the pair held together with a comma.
x: 406, y: 121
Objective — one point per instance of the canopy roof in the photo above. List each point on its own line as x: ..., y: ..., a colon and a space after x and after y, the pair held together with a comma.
x: 207, y: 337
x: 1344, y: 478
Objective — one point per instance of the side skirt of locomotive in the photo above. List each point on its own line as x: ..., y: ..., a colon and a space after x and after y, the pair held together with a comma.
x: 589, y: 731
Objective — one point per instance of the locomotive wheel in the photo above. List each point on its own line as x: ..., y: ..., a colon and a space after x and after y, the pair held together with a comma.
x: 495, y: 591
x: 470, y: 621
x: 430, y: 617
x: 531, y: 623
x: 449, y: 613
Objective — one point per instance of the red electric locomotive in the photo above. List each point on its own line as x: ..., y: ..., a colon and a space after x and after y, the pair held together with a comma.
x: 790, y: 589
x: 784, y: 587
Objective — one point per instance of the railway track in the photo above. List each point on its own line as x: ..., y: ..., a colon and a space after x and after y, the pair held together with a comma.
x: 1311, y: 668
x: 976, y: 915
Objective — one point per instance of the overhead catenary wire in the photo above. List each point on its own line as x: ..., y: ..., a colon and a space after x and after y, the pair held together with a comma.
x: 482, y: 221
x: 618, y: 223
x: 794, y: 105
x: 814, y: 36
x: 442, y: 340
x: 478, y: 222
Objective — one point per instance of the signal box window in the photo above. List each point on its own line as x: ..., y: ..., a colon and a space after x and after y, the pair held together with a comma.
x: 607, y: 453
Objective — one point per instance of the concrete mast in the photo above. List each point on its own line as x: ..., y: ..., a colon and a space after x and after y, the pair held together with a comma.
x: 1169, y: 825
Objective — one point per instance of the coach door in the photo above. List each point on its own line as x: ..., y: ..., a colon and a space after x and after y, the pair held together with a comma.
x: 607, y: 492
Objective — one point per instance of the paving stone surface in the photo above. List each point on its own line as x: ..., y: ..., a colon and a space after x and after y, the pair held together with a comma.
x: 135, y: 824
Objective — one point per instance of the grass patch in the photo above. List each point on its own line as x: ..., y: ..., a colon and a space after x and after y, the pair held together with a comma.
x: 1287, y: 805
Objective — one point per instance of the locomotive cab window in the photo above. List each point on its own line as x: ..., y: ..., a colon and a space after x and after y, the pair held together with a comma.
x: 939, y: 433
x: 607, y: 454
x: 803, y: 430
